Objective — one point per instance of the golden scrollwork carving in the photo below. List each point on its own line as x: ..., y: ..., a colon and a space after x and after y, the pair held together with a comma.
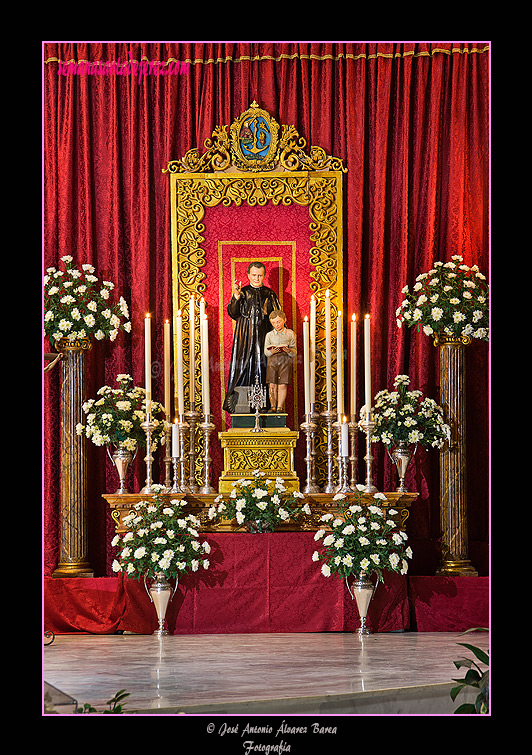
x: 252, y: 143
x: 284, y: 173
x: 217, y: 155
x: 259, y: 458
x: 292, y: 155
x: 442, y: 339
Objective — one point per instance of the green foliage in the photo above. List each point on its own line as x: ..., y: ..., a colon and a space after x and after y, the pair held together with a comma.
x: 475, y: 678
x: 115, y: 704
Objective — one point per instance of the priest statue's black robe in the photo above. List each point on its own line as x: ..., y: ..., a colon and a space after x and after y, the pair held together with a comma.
x: 252, y: 315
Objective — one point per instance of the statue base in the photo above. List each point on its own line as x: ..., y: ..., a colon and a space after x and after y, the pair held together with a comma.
x: 265, y: 420
x: 270, y: 451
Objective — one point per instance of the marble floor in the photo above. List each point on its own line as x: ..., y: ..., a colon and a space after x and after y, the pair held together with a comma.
x: 273, y: 674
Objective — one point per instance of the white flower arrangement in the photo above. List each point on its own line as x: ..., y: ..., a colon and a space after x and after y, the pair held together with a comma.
x: 160, y: 539
x: 405, y: 416
x: 451, y: 299
x: 363, y: 539
x: 259, y: 503
x: 116, y: 417
x: 78, y: 306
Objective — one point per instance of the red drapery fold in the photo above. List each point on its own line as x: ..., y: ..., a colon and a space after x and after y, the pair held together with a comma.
x: 409, y: 120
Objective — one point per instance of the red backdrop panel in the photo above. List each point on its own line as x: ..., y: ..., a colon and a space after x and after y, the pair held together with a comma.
x: 234, y: 236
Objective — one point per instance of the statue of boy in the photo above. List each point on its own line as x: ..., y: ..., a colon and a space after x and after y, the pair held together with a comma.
x: 280, y: 348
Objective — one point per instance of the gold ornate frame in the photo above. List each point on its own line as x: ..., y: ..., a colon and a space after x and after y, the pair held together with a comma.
x: 283, y: 175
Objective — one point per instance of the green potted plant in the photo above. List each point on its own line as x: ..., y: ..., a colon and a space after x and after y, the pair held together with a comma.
x: 259, y: 503
x: 476, y: 678
x: 363, y: 540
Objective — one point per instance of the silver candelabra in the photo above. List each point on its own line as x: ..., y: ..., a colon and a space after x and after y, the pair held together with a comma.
x: 257, y: 400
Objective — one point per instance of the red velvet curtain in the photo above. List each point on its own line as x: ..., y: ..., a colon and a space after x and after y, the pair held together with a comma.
x: 409, y: 120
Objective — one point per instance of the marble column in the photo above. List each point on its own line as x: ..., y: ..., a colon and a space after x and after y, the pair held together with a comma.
x: 453, y: 494
x: 73, y: 560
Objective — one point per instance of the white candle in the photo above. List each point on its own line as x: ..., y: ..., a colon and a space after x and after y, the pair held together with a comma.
x: 175, y: 439
x: 339, y: 365
x: 312, y: 350
x: 353, y: 383
x: 192, y: 352
x: 328, y: 372
x: 179, y: 364
x: 167, y: 391
x: 344, y: 437
x: 147, y: 361
x: 205, y: 391
x: 306, y: 365
x: 367, y: 363
x: 203, y: 346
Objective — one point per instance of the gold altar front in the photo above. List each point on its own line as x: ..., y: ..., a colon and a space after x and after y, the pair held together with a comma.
x: 271, y: 450
x: 198, y: 505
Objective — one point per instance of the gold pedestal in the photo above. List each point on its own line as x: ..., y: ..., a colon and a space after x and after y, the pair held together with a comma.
x: 271, y: 451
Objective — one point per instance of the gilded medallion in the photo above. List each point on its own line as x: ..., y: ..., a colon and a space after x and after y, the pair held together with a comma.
x: 254, y: 139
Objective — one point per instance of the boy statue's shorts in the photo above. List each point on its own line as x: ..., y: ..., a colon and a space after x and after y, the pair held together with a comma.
x: 279, y: 369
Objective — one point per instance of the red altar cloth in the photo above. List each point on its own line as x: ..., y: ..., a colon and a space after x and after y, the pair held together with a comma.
x: 257, y: 583
x: 449, y: 604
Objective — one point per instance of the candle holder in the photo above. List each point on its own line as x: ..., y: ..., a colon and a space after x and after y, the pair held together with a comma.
x: 257, y: 399
x: 343, y: 482
x: 328, y: 417
x: 168, y: 455
x: 353, y: 430
x: 175, y: 487
x: 192, y: 418
x: 309, y: 428
x: 314, y: 419
x: 178, y: 461
x: 148, y: 428
x: 367, y: 425
x: 206, y: 428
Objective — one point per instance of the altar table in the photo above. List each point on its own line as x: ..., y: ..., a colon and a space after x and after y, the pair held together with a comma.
x: 257, y: 583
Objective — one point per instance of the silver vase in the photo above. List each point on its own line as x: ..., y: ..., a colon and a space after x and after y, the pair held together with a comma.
x: 259, y: 526
x: 160, y: 593
x: 401, y: 454
x: 121, y: 458
x: 361, y: 589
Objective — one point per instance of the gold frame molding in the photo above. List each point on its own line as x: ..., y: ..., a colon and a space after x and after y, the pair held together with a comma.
x: 288, y: 174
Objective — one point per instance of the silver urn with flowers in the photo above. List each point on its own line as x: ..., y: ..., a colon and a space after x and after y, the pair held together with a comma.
x: 359, y: 543
x: 115, y: 419
x: 161, y: 545
x: 404, y: 420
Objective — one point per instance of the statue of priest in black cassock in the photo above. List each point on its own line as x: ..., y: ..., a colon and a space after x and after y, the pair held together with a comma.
x: 250, y: 307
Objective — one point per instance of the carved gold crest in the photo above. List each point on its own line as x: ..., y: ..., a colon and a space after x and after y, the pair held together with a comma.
x: 254, y: 139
